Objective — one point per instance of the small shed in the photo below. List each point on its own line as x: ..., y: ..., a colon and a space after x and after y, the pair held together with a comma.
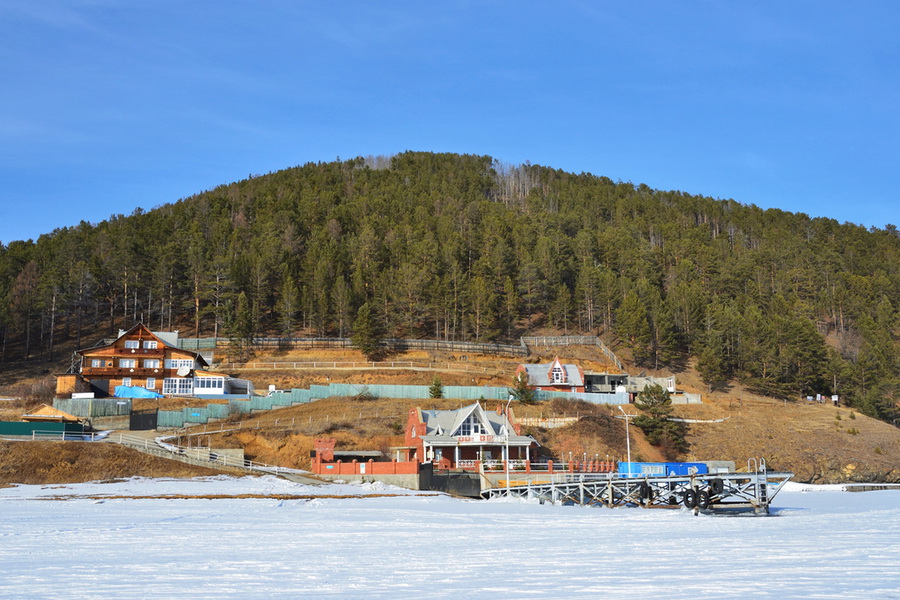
x: 48, y: 414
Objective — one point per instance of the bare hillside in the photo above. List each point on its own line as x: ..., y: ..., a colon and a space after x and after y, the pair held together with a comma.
x: 71, y: 462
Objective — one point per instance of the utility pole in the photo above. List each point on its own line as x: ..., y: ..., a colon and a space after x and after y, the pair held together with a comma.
x: 508, y: 425
x: 627, y: 438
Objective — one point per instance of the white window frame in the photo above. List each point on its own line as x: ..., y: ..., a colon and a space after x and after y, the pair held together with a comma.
x: 132, y: 344
x: 558, y: 375
x: 127, y: 363
x: 182, y: 386
x: 151, y: 363
x: 471, y: 426
x: 126, y: 381
x: 151, y: 383
x: 151, y: 344
x: 97, y: 363
x: 209, y: 383
x: 177, y: 363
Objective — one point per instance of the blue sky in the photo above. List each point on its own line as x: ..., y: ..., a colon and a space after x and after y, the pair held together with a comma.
x: 106, y: 106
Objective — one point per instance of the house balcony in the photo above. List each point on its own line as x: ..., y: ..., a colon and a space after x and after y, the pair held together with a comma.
x: 149, y: 352
x: 119, y: 373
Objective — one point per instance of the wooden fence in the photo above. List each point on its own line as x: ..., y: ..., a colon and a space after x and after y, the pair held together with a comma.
x: 380, y: 365
x: 396, y: 345
x: 406, y: 344
x: 574, y: 340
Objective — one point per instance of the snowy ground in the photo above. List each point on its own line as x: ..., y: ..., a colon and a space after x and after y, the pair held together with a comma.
x: 821, y: 543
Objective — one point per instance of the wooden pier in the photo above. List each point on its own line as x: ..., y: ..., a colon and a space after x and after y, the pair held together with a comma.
x: 717, y: 492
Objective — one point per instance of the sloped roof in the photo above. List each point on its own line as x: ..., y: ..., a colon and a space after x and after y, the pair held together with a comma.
x: 442, y: 425
x: 48, y: 413
x: 164, y: 338
x: 205, y: 373
x: 169, y: 338
x: 539, y: 375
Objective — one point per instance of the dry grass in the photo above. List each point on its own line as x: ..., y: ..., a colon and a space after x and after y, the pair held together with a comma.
x: 72, y: 462
x: 25, y: 396
x: 489, y: 370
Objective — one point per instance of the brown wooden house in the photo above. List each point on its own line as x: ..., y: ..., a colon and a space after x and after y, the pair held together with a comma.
x: 137, y: 358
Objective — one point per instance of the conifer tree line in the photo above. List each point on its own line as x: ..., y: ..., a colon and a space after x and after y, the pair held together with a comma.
x: 463, y: 247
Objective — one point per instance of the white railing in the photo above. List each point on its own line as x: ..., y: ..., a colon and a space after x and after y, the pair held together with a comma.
x: 85, y: 436
x: 201, y: 454
x: 498, y: 464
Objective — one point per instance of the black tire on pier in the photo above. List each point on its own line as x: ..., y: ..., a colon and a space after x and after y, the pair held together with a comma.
x: 703, y: 499
x: 717, y: 486
x: 690, y: 499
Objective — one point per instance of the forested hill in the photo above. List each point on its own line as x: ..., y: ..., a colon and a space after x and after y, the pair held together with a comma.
x: 464, y: 247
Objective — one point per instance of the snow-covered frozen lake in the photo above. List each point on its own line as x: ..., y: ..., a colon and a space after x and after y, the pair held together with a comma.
x: 821, y: 543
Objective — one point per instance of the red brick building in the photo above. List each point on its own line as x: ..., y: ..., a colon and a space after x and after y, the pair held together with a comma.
x: 553, y: 377
x: 464, y: 437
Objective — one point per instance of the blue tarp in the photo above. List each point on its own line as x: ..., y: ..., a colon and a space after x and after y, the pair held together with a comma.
x: 134, y: 391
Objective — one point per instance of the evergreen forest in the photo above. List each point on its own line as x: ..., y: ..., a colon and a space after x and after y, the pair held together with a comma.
x: 463, y: 247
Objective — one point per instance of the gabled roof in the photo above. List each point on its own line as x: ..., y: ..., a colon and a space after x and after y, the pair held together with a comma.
x: 160, y: 337
x: 169, y: 338
x: 475, y: 409
x: 441, y: 426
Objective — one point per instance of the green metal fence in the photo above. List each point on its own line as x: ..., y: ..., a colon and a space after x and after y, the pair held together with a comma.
x: 94, y: 407
x: 22, y: 428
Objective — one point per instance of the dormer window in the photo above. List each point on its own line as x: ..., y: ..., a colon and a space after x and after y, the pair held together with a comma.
x: 558, y: 375
x: 471, y: 426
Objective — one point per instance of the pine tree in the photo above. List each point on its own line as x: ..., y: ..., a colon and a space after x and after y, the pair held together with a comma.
x: 242, y: 322
x: 633, y: 325
x: 437, y: 388
x: 287, y: 306
x: 367, y: 332
x: 521, y: 391
x: 656, y: 402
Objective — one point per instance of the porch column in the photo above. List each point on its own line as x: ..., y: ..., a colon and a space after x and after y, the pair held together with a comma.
x: 456, y: 457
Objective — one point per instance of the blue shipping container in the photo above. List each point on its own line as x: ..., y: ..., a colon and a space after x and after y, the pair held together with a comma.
x: 659, y: 469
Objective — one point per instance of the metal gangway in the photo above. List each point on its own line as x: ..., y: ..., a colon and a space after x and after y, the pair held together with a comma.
x: 715, y: 492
